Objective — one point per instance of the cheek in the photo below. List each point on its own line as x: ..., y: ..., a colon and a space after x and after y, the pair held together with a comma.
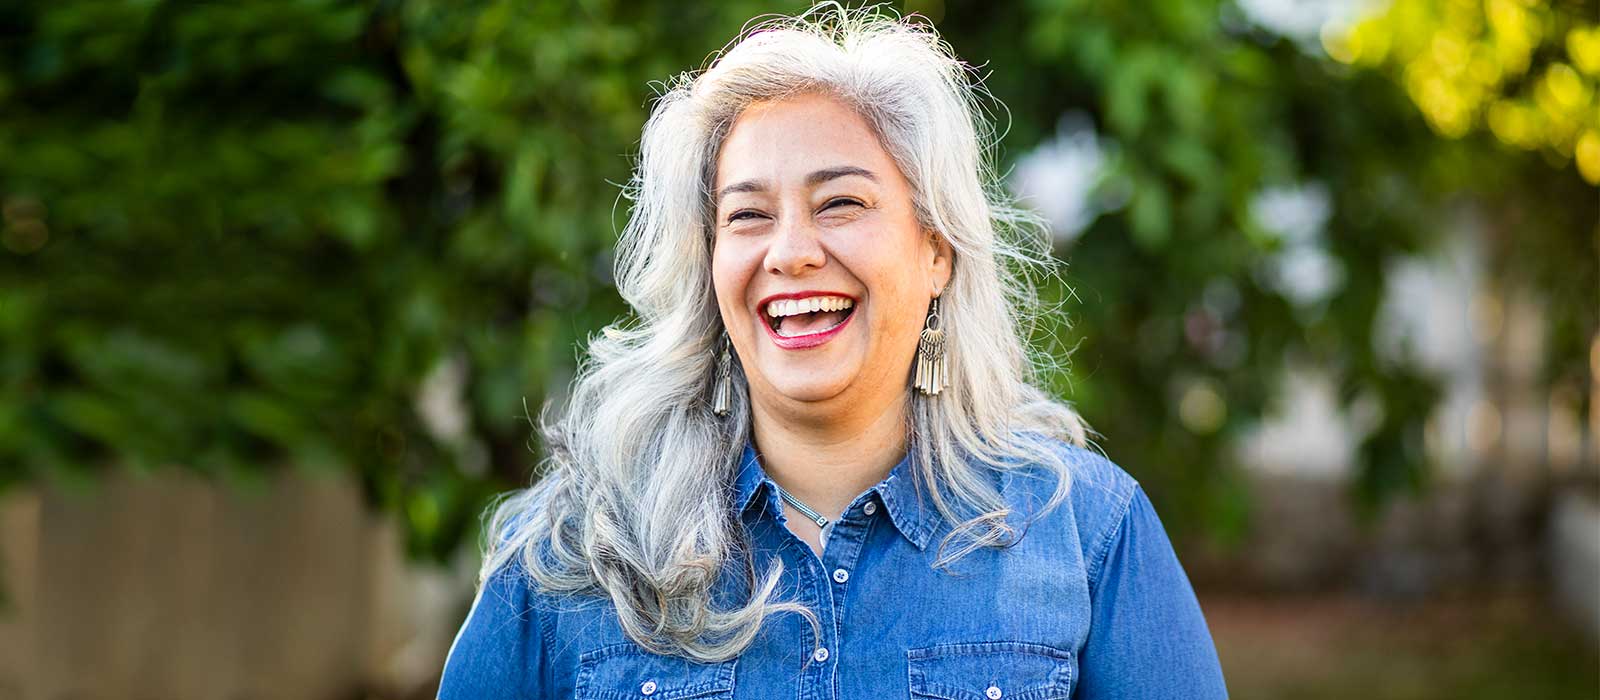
x: 890, y: 272
x: 730, y: 274
x: 902, y: 303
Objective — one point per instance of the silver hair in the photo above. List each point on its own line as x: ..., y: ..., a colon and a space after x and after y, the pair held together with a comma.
x: 634, y: 502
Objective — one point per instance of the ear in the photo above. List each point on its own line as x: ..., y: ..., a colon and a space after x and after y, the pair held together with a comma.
x: 941, y: 265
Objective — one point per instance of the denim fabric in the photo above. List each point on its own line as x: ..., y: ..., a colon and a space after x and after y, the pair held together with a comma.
x: 1091, y: 603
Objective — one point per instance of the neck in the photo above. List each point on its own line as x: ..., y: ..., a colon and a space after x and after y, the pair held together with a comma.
x: 827, y: 463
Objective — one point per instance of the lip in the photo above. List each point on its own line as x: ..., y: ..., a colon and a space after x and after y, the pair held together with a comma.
x: 809, y: 340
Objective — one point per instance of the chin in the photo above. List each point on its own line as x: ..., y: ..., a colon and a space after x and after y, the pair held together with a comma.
x: 809, y: 387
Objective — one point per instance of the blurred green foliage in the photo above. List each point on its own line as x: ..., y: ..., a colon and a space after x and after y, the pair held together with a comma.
x: 240, y: 236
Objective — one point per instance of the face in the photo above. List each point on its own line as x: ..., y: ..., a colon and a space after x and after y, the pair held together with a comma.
x: 823, y: 274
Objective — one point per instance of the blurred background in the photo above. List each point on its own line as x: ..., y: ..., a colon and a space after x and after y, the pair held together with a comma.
x: 282, y: 282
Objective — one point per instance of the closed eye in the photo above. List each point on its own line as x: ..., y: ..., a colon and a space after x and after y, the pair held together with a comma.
x: 837, y: 201
x: 743, y: 214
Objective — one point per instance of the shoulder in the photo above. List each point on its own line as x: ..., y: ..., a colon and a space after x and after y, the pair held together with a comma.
x: 499, y: 650
x: 1099, y: 493
x: 1097, y: 486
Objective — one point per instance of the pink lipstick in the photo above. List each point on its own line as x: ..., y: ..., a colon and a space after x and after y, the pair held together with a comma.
x: 807, y: 340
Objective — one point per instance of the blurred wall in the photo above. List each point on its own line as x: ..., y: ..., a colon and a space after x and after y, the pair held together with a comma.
x: 176, y: 587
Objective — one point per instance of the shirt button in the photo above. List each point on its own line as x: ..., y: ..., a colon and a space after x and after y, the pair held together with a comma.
x: 821, y: 654
x: 993, y: 693
x: 649, y: 688
x: 840, y: 576
x: 869, y: 508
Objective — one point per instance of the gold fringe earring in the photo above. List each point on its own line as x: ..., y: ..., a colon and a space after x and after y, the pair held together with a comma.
x: 722, y: 393
x: 933, y: 363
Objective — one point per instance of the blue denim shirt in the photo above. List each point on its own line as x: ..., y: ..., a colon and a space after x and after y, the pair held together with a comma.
x: 1091, y: 603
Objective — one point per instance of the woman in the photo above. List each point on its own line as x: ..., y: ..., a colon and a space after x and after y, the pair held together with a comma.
x: 816, y: 465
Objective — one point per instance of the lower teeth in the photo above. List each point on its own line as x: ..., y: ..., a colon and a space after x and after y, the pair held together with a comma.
x: 777, y: 325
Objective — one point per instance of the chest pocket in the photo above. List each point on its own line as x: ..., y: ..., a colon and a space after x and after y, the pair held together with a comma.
x: 991, y: 671
x: 626, y: 672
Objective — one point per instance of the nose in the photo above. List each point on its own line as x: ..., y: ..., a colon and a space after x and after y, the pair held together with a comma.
x: 795, y: 248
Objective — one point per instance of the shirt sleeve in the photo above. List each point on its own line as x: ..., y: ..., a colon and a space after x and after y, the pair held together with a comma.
x: 499, y: 652
x: 1147, y: 636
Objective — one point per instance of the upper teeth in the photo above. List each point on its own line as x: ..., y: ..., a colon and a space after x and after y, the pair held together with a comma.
x: 790, y: 307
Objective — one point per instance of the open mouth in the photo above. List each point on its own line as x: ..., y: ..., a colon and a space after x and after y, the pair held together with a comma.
x: 790, y: 318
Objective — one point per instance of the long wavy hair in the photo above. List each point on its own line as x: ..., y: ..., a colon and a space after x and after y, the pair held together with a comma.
x: 634, y: 501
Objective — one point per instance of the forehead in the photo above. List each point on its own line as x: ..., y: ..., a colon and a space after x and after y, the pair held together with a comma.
x: 783, y: 140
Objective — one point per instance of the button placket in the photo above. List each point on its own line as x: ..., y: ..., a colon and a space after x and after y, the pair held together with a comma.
x: 845, y: 545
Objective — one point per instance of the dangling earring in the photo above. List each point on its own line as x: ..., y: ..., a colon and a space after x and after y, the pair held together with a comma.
x: 933, y: 364
x: 721, y: 394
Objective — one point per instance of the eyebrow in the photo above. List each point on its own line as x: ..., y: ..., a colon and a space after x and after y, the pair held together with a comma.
x: 812, y: 180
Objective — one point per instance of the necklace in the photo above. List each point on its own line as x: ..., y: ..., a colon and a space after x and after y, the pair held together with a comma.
x: 814, y: 515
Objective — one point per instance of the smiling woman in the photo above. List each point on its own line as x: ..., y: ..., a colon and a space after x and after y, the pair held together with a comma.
x: 817, y: 463
x: 818, y: 211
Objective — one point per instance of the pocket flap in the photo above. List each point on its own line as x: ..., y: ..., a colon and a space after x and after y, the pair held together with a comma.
x: 991, y: 671
x: 628, y: 672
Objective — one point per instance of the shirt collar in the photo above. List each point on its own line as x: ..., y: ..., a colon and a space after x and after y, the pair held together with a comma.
x: 911, y: 511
